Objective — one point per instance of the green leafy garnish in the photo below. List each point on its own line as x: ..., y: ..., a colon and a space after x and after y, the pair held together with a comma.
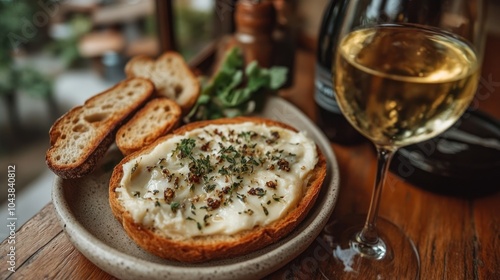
x: 235, y: 89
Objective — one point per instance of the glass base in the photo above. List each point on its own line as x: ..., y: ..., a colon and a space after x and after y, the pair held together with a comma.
x: 394, y: 256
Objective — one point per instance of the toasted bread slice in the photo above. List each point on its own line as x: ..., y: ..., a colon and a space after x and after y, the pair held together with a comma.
x: 157, y: 118
x: 79, y: 138
x: 172, y: 243
x: 170, y: 75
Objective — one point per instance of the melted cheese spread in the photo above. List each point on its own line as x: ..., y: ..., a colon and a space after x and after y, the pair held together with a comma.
x: 220, y: 179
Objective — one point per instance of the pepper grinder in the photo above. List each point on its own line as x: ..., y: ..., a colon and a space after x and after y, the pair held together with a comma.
x: 255, y: 22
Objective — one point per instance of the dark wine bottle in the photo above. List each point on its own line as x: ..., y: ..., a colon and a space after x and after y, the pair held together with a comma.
x: 328, y: 115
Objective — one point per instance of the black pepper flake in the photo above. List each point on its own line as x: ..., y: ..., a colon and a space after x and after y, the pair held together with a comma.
x: 136, y: 194
x: 271, y: 184
x: 155, y: 192
x: 236, y: 185
x: 219, y: 194
x: 284, y: 165
x: 193, y: 178
x: 166, y: 173
x: 205, y: 147
x: 157, y: 203
x: 274, y: 137
x: 213, y: 203
x: 260, y: 192
x: 170, y: 177
x: 168, y: 194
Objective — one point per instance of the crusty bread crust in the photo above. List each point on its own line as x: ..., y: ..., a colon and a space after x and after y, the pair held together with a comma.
x: 205, y: 248
x: 171, y: 76
x: 80, y: 138
x: 157, y: 118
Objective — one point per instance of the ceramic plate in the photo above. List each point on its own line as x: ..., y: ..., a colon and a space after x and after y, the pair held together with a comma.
x: 83, y: 210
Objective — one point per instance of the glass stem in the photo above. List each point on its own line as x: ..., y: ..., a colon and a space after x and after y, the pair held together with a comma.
x: 368, y: 234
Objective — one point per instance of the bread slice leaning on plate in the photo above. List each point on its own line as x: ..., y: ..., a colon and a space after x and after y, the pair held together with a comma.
x: 157, y: 118
x: 217, y: 189
x: 79, y: 138
x: 171, y: 76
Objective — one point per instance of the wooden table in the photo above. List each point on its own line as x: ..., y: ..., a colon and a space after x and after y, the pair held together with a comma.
x: 456, y: 238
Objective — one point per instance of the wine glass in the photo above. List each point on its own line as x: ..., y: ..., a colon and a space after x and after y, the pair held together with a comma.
x: 404, y: 71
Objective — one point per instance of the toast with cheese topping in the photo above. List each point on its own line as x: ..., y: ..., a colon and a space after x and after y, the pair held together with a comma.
x: 217, y: 189
x: 79, y: 138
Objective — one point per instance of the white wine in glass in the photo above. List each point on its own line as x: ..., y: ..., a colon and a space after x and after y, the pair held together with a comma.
x: 402, y: 84
x: 401, y: 76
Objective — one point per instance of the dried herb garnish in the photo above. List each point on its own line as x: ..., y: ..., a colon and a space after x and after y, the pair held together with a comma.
x: 174, y: 206
x: 241, y: 197
x: 198, y: 225
x: 277, y: 198
x: 134, y: 168
x: 209, y: 188
x: 265, y: 209
x: 185, y: 147
x: 205, y: 218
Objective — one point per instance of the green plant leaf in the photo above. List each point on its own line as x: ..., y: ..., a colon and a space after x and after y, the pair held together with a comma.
x: 234, y: 91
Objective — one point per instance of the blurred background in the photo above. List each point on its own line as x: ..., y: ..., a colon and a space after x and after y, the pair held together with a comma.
x: 55, y: 54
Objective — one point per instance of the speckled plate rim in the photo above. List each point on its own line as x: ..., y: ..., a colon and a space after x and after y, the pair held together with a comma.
x: 126, y: 266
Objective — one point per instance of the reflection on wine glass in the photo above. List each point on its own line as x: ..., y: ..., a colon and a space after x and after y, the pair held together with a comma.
x: 404, y: 72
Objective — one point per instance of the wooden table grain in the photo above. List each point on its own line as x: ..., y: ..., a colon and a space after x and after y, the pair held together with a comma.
x: 457, y: 238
